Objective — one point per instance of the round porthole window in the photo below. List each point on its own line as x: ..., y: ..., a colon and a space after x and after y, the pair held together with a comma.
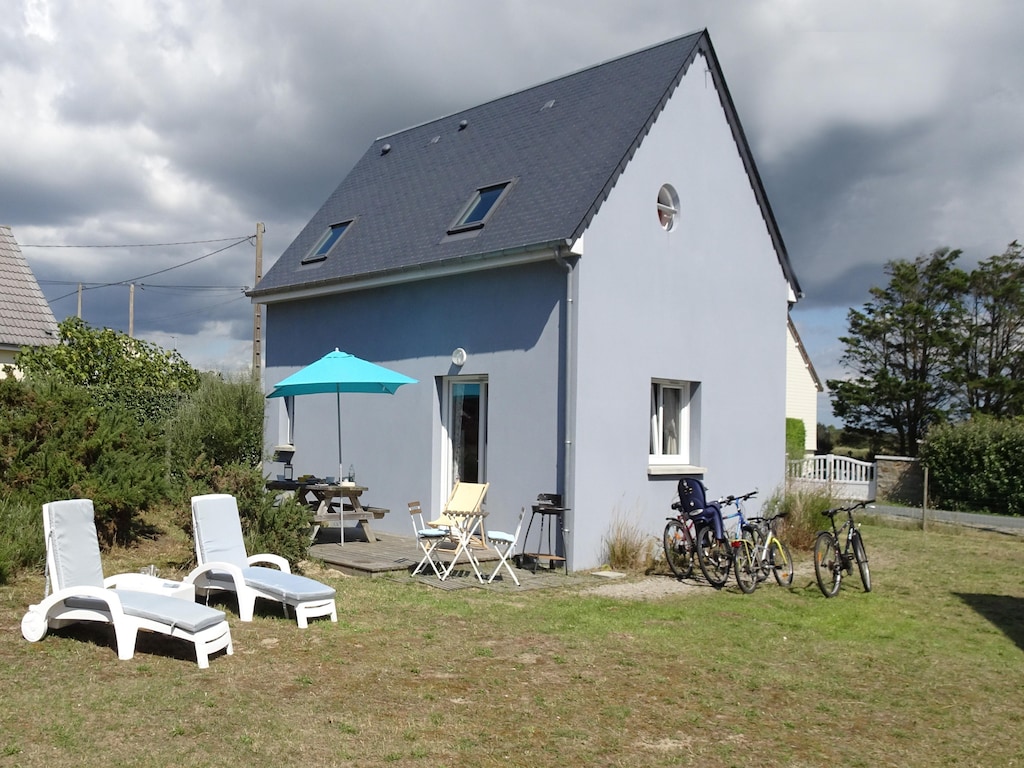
x: 668, y: 206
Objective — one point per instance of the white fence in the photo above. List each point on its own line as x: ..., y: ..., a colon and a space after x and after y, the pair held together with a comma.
x: 842, y: 477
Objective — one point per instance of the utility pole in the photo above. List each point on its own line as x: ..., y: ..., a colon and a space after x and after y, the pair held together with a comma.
x: 131, y: 310
x: 79, y: 301
x: 257, y: 309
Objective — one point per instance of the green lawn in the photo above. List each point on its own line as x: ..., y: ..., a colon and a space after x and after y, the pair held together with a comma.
x: 926, y: 670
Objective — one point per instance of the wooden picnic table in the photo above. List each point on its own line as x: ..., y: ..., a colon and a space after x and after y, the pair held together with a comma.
x: 332, y: 503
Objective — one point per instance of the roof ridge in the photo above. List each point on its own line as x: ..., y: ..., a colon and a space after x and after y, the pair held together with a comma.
x: 541, y: 84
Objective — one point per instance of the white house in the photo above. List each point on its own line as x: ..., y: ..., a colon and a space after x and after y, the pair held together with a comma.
x: 802, y: 388
x: 26, y: 319
x: 588, y: 282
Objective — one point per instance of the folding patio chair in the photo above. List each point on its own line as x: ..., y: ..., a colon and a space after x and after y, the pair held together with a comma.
x: 225, y: 566
x: 429, y: 538
x: 505, y: 544
x: 463, y: 515
x: 80, y: 593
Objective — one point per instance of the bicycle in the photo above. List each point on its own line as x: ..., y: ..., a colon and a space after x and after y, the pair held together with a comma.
x: 684, y: 531
x: 746, y: 546
x: 715, y: 551
x: 830, y: 561
x: 758, y: 551
x: 680, y: 538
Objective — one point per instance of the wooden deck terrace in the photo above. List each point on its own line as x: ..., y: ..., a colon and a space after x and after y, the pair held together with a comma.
x: 390, y: 553
x: 396, y: 556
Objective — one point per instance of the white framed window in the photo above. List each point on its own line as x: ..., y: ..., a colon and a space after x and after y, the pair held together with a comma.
x: 674, y: 426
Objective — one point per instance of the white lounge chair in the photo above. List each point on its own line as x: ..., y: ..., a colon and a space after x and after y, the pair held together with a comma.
x: 80, y: 593
x: 224, y: 566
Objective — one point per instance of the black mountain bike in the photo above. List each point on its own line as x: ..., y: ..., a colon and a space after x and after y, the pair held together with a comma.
x: 831, y: 559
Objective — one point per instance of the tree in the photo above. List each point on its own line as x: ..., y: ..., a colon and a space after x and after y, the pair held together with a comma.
x: 991, y: 373
x: 116, y: 368
x: 902, y: 349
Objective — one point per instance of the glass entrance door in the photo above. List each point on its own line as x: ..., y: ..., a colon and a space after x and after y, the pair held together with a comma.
x: 466, y: 424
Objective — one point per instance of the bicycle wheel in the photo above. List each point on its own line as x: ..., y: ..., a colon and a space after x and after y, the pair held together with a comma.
x: 828, y: 566
x: 713, y: 556
x: 861, y: 557
x: 780, y: 562
x: 678, y: 549
x: 744, y: 566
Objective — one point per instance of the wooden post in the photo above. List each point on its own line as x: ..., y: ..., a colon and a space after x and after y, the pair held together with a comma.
x: 257, y: 309
x: 924, y: 500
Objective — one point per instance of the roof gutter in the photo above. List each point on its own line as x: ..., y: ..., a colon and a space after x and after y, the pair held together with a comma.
x: 507, y: 257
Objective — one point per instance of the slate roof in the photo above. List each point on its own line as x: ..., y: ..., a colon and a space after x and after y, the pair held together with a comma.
x: 562, y: 144
x: 25, y: 317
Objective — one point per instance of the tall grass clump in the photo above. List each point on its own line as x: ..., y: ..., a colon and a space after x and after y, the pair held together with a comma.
x: 803, y: 508
x: 628, y: 546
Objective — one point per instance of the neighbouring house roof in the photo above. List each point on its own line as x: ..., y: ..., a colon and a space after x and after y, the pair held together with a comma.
x: 803, y: 353
x: 25, y: 317
x: 560, y: 145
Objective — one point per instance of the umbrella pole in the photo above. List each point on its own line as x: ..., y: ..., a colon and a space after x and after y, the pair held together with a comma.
x: 341, y: 474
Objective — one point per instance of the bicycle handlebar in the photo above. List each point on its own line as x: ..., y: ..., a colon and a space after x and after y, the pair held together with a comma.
x: 832, y: 512
x: 730, y: 498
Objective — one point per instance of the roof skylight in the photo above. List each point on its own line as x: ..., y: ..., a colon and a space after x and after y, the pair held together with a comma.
x: 326, y: 243
x: 479, y: 207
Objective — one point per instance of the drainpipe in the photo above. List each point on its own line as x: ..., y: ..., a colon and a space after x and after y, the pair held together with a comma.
x: 569, y: 415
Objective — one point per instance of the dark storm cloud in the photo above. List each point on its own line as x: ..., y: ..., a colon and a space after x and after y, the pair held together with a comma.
x: 881, y: 130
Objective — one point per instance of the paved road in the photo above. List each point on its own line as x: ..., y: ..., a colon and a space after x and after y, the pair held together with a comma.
x: 990, y: 522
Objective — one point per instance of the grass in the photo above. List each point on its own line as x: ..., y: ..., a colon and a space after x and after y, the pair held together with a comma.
x: 926, y: 670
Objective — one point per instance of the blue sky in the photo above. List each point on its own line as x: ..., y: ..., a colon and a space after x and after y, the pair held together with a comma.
x: 881, y: 130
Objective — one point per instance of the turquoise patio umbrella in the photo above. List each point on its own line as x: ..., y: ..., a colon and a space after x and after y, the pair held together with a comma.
x: 339, y: 372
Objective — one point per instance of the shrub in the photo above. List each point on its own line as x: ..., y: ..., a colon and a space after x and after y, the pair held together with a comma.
x: 796, y: 436
x: 56, y: 442
x: 222, y: 422
x: 120, y: 371
x: 804, y: 518
x: 21, y: 537
x: 215, y: 445
x: 977, y: 465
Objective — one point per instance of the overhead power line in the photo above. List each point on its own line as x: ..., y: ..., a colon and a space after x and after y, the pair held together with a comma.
x: 159, y: 271
x: 138, y: 245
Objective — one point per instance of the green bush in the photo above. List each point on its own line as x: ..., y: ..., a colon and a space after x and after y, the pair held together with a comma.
x: 977, y: 465
x: 215, y: 445
x: 56, y: 442
x: 221, y: 421
x: 21, y: 537
x: 796, y: 436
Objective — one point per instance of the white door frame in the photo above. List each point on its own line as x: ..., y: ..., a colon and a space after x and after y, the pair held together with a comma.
x: 447, y: 461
